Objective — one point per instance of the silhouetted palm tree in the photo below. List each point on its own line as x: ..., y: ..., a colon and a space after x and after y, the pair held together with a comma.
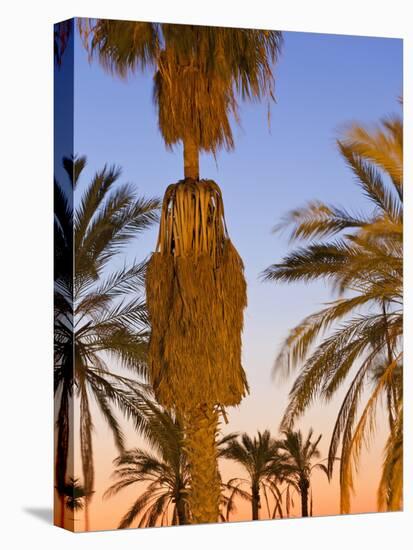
x: 261, y: 459
x: 99, y: 314
x: 165, y: 471
x: 297, y: 457
x: 75, y: 495
x: 199, y: 74
x: 364, y: 263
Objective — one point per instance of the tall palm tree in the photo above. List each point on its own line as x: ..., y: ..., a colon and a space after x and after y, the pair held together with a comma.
x: 99, y: 314
x: 165, y: 471
x: 298, y: 463
x: 198, y: 73
x: 195, y: 360
x: 361, y: 330
x: 260, y: 457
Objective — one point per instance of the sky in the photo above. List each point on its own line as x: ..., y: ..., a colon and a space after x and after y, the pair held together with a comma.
x: 323, y: 82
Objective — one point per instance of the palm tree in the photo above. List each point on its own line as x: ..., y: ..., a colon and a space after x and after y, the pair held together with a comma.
x: 297, y: 463
x: 198, y: 74
x: 61, y: 36
x: 195, y: 350
x: 75, y: 494
x: 261, y: 459
x: 99, y: 314
x: 165, y: 471
x: 364, y: 263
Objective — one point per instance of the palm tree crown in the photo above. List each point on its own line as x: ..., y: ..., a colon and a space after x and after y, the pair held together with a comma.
x: 298, y: 462
x: 75, y: 495
x: 260, y: 457
x: 165, y: 471
x: 98, y: 314
x: 198, y: 72
x: 364, y: 263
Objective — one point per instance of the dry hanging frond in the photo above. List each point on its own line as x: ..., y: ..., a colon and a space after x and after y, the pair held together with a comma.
x: 196, y: 295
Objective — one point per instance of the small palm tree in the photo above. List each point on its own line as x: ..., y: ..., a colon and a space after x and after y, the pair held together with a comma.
x: 165, y: 471
x: 99, y: 314
x: 297, y: 458
x: 362, y: 328
x: 261, y: 459
x: 73, y: 495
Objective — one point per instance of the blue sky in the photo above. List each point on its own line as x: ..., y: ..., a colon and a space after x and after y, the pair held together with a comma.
x: 322, y: 82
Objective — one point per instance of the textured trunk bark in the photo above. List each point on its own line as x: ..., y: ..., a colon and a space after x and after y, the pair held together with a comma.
x: 191, y: 159
x: 62, y: 511
x: 87, y: 518
x: 201, y: 426
x: 255, y: 491
x: 304, y: 486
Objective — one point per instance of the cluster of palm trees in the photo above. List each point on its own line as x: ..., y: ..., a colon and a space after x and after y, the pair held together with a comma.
x: 102, y: 330
x: 275, y: 470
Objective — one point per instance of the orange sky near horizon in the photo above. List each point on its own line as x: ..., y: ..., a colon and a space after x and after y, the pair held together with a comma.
x: 260, y: 410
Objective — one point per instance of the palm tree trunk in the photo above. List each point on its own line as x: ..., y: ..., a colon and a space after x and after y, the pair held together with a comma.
x: 62, y: 511
x: 181, y: 511
x: 87, y: 517
x: 255, y: 491
x: 201, y: 428
x: 304, y: 486
x: 191, y: 158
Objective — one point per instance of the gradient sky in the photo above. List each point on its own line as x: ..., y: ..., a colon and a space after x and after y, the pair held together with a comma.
x: 322, y: 82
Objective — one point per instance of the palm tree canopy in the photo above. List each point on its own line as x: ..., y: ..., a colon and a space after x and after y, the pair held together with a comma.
x: 361, y: 256
x: 298, y: 455
x: 165, y: 471
x: 199, y: 72
x: 99, y: 314
x: 258, y: 455
x: 75, y: 494
x: 261, y: 459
